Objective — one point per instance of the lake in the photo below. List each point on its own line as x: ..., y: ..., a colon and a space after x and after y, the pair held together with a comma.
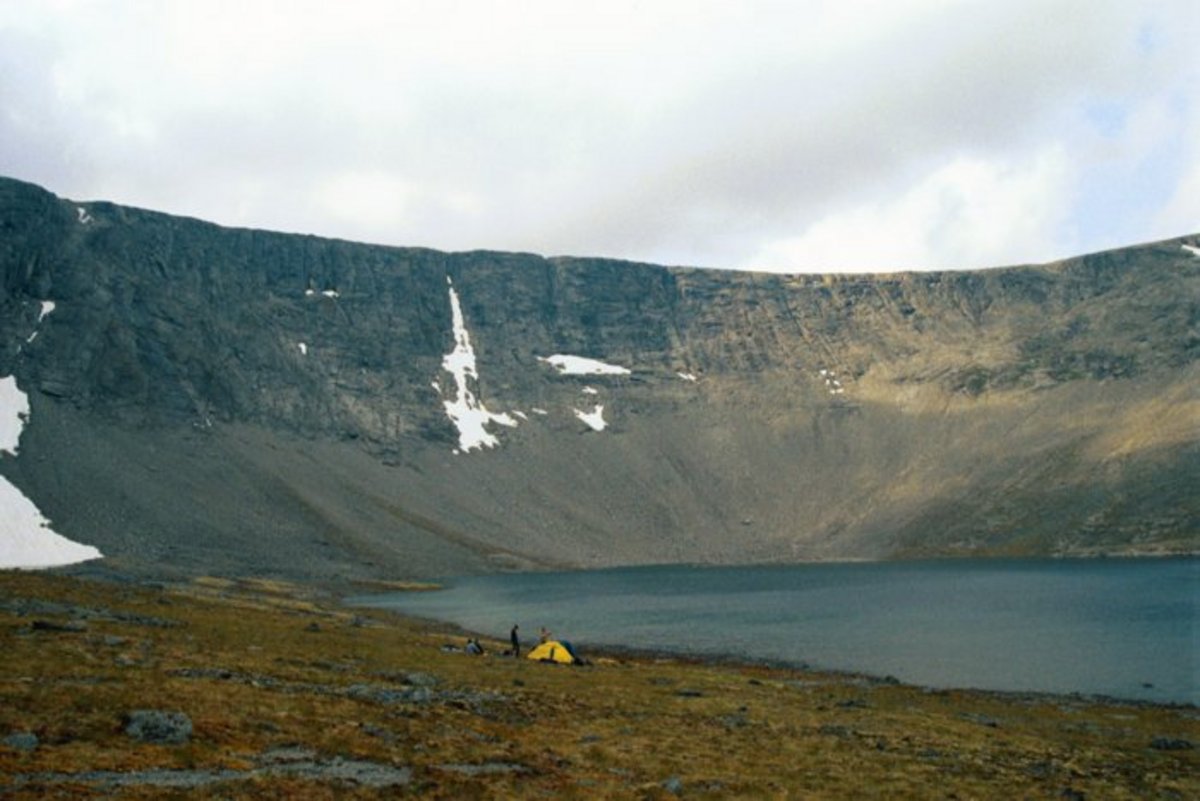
x: 1121, y: 627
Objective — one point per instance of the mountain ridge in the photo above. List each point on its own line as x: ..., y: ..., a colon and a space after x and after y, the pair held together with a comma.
x: 1045, y: 409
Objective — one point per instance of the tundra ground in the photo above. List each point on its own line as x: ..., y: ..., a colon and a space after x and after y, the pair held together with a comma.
x: 290, y: 695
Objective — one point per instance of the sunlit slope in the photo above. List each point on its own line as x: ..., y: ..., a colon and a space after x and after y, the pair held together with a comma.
x: 219, y: 399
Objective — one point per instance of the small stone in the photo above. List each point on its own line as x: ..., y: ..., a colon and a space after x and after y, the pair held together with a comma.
x: 418, y: 679
x: 158, y: 727
x: 735, y: 721
x: 21, y: 741
x: 982, y: 720
x: 312, y: 627
x: 834, y: 730
x: 419, y: 695
x: 1171, y: 744
x: 69, y: 626
x: 673, y: 785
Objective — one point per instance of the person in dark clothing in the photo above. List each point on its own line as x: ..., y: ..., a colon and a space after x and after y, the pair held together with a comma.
x: 516, y: 641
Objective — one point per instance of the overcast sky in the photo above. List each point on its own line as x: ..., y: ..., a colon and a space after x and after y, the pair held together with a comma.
x: 788, y: 136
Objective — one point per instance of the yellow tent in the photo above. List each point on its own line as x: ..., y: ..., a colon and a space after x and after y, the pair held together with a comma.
x: 553, y: 651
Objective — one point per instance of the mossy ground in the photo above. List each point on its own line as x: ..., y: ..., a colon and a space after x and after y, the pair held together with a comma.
x: 261, y: 666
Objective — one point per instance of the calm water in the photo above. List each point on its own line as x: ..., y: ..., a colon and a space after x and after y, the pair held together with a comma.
x: 1092, y: 626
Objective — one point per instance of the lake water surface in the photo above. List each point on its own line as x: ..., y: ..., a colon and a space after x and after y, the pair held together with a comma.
x: 1129, y: 628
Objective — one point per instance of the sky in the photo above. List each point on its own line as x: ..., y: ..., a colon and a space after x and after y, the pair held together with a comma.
x: 785, y: 136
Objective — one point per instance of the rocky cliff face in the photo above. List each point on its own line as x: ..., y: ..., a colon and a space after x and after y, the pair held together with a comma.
x: 219, y: 400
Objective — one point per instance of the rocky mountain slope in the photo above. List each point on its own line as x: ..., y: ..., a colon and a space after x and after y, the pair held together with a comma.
x: 214, y: 400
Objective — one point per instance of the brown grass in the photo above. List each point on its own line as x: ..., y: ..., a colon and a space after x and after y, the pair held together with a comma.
x: 619, y: 729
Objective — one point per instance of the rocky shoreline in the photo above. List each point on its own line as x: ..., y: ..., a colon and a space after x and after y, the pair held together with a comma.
x: 219, y: 688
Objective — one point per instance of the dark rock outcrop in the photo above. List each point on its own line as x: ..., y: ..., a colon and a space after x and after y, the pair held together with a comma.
x: 213, y: 400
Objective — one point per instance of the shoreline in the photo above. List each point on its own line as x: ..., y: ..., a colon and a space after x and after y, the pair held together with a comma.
x: 341, y: 595
x: 1140, y: 690
x: 264, y: 688
x: 741, y: 661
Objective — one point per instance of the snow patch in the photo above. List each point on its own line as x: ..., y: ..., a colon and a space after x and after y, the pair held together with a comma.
x: 579, y: 365
x: 687, y: 376
x: 331, y: 293
x: 31, y: 337
x: 520, y: 414
x: 469, y: 416
x: 308, y: 293
x: 26, y: 540
x: 25, y: 537
x: 14, y: 411
x: 303, y: 348
x: 536, y: 410
x: 82, y: 214
x: 47, y: 307
x: 590, y: 391
x: 1195, y: 251
x: 594, y: 419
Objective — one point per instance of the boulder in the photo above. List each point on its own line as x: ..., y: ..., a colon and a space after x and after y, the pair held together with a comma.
x: 158, y: 727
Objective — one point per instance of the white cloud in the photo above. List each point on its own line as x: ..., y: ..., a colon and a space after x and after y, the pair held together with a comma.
x: 701, y: 132
x: 968, y: 212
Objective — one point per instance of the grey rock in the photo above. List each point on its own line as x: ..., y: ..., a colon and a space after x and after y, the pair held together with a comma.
x: 982, y: 720
x: 484, y: 769
x: 673, y: 785
x: 419, y: 679
x: 106, y: 779
x: 355, y: 771
x: 738, y: 720
x: 21, y: 741
x: 158, y: 726
x: 73, y: 626
x: 287, y: 753
x: 1171, y: 744
x: 835, y: 730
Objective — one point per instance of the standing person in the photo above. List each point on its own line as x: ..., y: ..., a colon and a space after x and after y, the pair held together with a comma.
x: 516, y: 641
